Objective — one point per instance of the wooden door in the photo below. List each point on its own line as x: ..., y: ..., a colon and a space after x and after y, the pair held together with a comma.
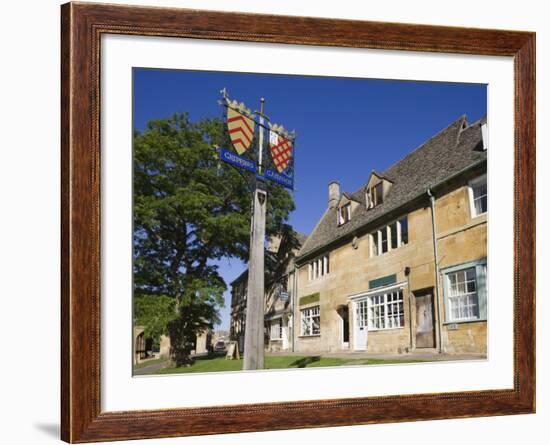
x: 425, y: 332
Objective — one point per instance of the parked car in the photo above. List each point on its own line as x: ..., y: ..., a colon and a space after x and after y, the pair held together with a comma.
x: 220, y: 346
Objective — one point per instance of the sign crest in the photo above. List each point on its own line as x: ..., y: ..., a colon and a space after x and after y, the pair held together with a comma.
x: 241, y: 130
x: 281, y: 150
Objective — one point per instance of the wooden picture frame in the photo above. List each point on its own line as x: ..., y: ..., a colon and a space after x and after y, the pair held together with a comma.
x: 82, y: 26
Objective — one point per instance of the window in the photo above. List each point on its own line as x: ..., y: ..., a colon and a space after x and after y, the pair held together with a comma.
x: 375, y: 195
x: 393, y: 234
x: 462, y: 295
x: 276, y: 332
x: 344, y: 214
x: 311, y: 321
x: 378, y: 193
x: 374, y: 244
x: 404, y: 226
x: 390, y: 237
x: 319, y: 267
x: 383, y: 235
x: 385, y: 311
x: 478, y: 196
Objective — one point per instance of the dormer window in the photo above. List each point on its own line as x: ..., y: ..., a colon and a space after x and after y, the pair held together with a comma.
x: 375, y: 195
x: 344, y: 214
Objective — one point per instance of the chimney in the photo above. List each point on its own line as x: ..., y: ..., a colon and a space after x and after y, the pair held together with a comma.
x: 333, y: 194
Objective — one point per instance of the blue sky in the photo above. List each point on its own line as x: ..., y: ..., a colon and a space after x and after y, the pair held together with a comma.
x: 345, y: 127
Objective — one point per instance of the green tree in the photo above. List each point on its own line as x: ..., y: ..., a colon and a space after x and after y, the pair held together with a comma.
x: 189, y: 210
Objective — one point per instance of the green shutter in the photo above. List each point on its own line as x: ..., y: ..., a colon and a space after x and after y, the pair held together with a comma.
x: 481, y: 280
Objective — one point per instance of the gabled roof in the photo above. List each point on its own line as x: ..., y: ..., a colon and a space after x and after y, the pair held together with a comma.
x: 378, y: 175
x: 346, y: 198
x: 450, y: 151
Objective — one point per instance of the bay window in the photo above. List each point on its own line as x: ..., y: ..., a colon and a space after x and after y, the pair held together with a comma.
x: 385, y: 311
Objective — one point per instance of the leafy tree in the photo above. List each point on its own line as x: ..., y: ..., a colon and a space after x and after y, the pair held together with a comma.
x: 154, y: 312
x: 189, y: 210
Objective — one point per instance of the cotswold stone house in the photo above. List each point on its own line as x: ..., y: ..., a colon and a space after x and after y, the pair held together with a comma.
x: 279, y: 295
x: 401, y: 263
x: 144, y: 350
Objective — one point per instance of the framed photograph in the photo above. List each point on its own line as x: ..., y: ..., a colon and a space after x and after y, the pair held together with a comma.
x: 275, y: 222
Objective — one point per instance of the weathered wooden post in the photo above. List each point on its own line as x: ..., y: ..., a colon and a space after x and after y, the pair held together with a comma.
x: 254, y: 323
x: 254, y: 331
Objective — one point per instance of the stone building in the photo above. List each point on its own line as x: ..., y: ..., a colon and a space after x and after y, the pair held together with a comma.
x: 144, y: 349
x: 400, y: 264
x: 280, y: 285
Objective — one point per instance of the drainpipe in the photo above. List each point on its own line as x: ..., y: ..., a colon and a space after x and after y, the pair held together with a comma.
x: 294, y: 298
x: 408, y: 275
x: 436, y: 264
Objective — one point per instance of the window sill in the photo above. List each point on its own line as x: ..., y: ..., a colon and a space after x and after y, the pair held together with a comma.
x: 474, y: 216
x: 309, y: 336
x: 389, y: 251
x: 318, y: 280
x: 385, y: 329
x: 469, y: 320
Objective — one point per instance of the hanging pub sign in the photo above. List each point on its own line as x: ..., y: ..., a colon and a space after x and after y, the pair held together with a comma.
x: 248, y: 148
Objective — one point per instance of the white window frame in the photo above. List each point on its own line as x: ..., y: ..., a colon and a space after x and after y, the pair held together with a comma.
x: 341, y: 219
x: 386, y: 302
x: 471, y: 185
x: 319, y: 267
x: 306, y: 321
x: 485, y: 136
x: 450, y: 297
x: 276, y: 329
x: 367, y: 297
x: 376, y: 238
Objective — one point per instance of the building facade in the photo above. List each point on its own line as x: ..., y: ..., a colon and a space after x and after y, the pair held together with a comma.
x: 401, y: 264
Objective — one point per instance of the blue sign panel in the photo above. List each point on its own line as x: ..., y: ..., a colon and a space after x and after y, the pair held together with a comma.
x: 283, y: 296
x: 236, y: 160
x: 280, y: 178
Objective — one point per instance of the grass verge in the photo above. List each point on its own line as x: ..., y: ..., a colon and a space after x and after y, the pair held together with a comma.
x: 220, y: 364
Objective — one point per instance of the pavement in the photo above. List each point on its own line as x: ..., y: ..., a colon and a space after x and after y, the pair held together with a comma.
x: 428, y: 355
x: 150, y: 369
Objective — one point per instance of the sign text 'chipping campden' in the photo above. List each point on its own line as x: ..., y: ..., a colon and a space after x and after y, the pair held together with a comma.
x: 236, y: 160
x: 279, y: 178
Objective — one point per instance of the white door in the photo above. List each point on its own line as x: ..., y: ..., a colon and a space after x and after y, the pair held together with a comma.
x: 284, y: 335
x: 360, y: 331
